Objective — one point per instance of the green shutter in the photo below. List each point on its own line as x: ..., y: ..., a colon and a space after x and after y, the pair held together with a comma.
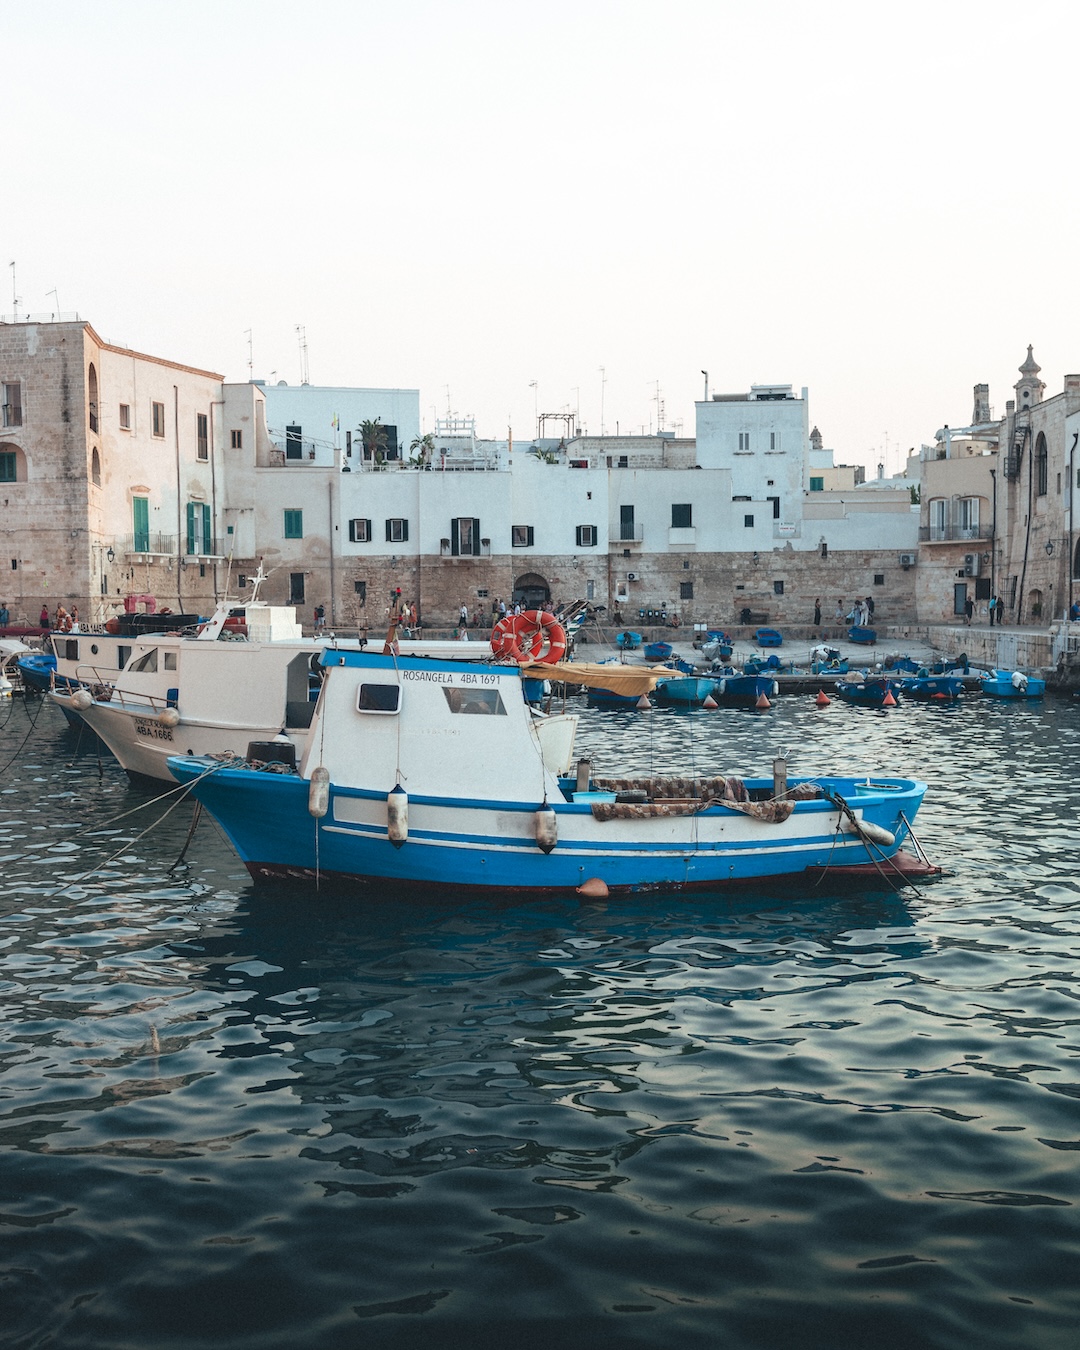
x: 140, y: 511
x: 191, y: 527
x: 207, y: 544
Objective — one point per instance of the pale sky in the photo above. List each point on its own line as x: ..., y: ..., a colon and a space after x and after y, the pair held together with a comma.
x: 878, y: 202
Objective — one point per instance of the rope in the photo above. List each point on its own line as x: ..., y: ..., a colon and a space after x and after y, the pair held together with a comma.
x: 33, y: 726
x: 195, y: 818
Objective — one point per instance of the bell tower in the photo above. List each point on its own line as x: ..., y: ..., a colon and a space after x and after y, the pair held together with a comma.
x: 1029, y: 388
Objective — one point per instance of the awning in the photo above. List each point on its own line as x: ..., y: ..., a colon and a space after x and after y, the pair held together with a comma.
x: 628, y: 680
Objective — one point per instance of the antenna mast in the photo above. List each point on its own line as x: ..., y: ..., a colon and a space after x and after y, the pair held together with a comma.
x: 301, y: 333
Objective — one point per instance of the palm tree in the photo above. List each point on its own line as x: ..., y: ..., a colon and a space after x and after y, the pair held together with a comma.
x: 545, y: 456
x: 421, y: 448
x: 373, y: 436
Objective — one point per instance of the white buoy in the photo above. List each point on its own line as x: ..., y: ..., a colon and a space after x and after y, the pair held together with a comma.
x: 547, y: 829
x: 318, y: 800
x: 397, y: 816
x: 82, y: 699
x: 169, y: 717
x: 876, y: 834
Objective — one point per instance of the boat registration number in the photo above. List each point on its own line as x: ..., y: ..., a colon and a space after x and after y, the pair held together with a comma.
x: 153, y: 731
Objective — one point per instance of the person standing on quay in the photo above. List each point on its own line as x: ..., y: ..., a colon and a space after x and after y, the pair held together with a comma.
x: 969, y: 610
x: 817, y: 612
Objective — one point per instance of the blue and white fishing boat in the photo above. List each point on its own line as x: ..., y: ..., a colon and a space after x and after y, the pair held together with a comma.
x: 658, y: 651
x: 435, y: 773
x: 688, y: 691
x: 871, y: 691
x: 1012, y: 684
x: 943, y: 688
x: 744, y: 691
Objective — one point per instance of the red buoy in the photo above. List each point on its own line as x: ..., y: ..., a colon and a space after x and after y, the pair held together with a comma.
x: 762, y: 702
x: 823, y: 700
x: 888, y: 701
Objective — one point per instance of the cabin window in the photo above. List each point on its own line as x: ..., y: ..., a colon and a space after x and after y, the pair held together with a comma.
x: 122, y: 654
x: 474, y: 701
x: 145, y: 664
x: 71, y: 649
x: 378, y: 698
x: 170, y: 660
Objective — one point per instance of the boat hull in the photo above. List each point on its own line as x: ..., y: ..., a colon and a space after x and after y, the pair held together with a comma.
x: 1000, y: 685
x: 492, y: 846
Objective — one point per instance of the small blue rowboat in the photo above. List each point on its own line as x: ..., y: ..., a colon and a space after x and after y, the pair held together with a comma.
x: 1012, y: 684
x: 685, y: 690
x: 867, y: 636
x: 743, y: 691
x: 658, y: 651
x: 943, y: 688
x: 873, y: 692
x: 769, y: 637
x: 628, y: 641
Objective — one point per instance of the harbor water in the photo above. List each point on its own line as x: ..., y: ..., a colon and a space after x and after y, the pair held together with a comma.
x: 272, y: 1119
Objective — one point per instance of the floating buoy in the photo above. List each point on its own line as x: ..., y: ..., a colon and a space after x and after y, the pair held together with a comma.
x: 888, y: 701
x: 643, y: 702
x: 397, y: 816
x: 710, y: 702
x: 82, y: 699
x: 762, y: 702
x: 594, y: 889
x: 547, y: 829
x: 822, y: 700
x: 169, y: 717
x: 318, y: 799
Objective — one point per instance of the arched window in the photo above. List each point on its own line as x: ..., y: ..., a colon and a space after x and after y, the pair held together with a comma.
x: 1040, y: 465
x: 12, y: 463
x: 92, y: 393
x: 95, y: 467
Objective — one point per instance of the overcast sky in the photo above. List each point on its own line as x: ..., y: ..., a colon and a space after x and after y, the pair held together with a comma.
x: 878, y: 202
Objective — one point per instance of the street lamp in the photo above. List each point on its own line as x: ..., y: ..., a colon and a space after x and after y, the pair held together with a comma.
x: 1049, y: 548
x: 110, y: 556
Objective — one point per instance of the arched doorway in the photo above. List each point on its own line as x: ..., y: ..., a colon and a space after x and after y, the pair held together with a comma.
x: 531, y: 591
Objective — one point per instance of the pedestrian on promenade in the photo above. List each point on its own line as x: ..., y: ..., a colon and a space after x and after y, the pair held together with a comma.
x: 869, y: 602
x: 817, y: 613
x: 969, y: 610
x: 43, y: 617
x: 463, y: 616
x: 5, y: 616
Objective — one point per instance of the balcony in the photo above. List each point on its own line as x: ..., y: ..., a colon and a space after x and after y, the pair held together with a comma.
x: 626, y: 536
x: 149, y: 545
x: 953, y: 534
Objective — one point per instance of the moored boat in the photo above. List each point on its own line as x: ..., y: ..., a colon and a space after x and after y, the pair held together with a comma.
x: 943, y: 688
x: 1012, y: 684
x: 435, y: 773
x: 870, y: 692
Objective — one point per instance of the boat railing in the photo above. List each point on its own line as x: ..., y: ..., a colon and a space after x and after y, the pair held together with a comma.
x: 104, y: 690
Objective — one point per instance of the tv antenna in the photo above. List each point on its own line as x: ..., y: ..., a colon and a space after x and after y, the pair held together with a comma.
x: 301, y: 333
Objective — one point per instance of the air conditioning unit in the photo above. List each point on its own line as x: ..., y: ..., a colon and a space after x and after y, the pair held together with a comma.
x: 631, y: 576
x: 907, y: 559
x: 971, y: 564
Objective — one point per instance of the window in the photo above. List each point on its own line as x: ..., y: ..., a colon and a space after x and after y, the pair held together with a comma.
x: 294, y: 524
x: 775, y: 507
x: 937, y: 518
x: 202, y: 437
x: 824, y: 549
x: 296, y: 588
x: 145, y: 664
x: 624, y: 461
x: 198, y: 528
x: 686, y: 590
x: 170, y: 660
x: 744, y: 440
x: 140, y: 519
x: 481, y: 701
x: 464, y: 537
x: 13, y: 405
x: 95, y: 467
x: 378, y: 698
x: 397, y: 531
x: 748, y: 522
x: 92, y: 396
x: 360, y: 591
x: 969, y: 517
x: 294, y: 443
x: 626, y: 522
x: 236, y: 440
x: 157, y: 419
x: 774, y: 440
x: 586, y: 536
x: 521, y: 536
x: 8, y: 467
x: 879, y: 578
x: 681, y: 516
x: 817, y: 484
x: 360, y: 531
x: 1040, y: 465
x: 125, y: 416
x: 778, y: 588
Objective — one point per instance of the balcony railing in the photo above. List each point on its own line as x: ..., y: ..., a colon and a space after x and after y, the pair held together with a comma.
x: 149, y: 543
x: 948, y: 534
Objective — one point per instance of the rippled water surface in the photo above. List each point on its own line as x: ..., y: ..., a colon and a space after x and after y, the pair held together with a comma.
x: 241, y: 1118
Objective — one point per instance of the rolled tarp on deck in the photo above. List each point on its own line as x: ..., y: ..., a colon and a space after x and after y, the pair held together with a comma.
x: 627, y: 680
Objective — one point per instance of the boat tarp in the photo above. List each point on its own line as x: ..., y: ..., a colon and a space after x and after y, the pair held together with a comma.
x: 619, y: 679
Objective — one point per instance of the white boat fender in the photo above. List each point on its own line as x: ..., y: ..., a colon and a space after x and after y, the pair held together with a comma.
x: 397, y: 816
x: 547, y: 829
x: 82, y: 699
x: 1019, y: 680
x: 169, y: 717
x: 876, y: 834
x: 318, y: 798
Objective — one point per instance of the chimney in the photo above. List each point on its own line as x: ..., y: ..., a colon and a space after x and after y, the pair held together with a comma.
x: 981, y: 412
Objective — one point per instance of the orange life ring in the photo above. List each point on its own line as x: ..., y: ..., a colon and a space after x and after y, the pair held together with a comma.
x: 523, y: 637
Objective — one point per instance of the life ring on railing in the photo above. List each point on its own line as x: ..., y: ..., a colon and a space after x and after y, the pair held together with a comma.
x: 523, y: 637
